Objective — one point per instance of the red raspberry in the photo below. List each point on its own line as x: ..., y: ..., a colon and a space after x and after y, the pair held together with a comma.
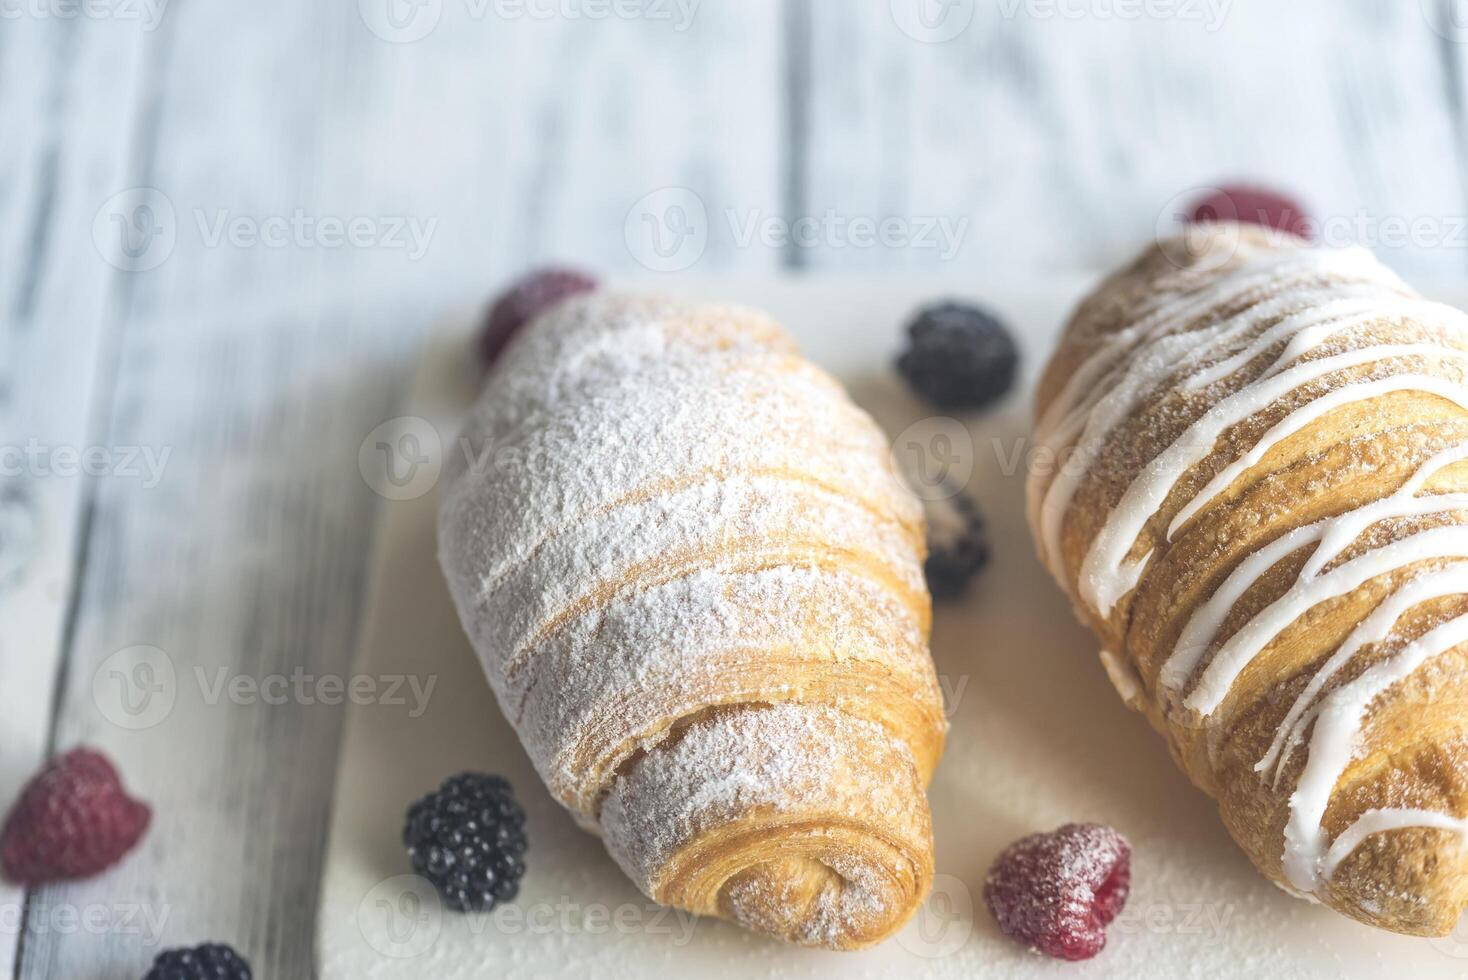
x: 1255, y: 206
x: 1056, y: 892
x: 72, y: 820
x: 524, y: 300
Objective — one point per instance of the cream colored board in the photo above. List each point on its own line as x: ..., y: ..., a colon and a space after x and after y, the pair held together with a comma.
x: 1038, y: 738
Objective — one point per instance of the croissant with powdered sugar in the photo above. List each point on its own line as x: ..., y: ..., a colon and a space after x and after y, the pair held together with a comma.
x: 696, y: 589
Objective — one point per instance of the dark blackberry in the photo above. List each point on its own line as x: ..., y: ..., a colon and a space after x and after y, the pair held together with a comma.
x: 211, y: 961
x: 958, y: 544
x: 468, y: 839
x: 959, y: 356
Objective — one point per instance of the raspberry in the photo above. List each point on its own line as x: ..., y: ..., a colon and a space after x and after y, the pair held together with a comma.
x: 1056, y: 892
x: 1255, y: 206
x: 72, y: 820
x: 525, y: 299
x: 211, y: 961
x: 959, y: 356
x: 958, y: 545
x: 468, y: 840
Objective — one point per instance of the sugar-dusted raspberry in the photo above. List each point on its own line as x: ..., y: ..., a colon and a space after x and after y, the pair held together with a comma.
x: 524, y: 300
x: 1056, y: 892
x: 1254, y: 206
x: 72, y: 820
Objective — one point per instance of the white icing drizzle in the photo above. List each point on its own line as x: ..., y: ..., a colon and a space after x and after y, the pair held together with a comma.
x: 1304, y: 330
x: 1302, y: 417
x: 1388, y: 818
x: 1094, y: 400
x: 1203, y: 626
x: 1331, y: 746
x: 1111, y: 399
x: 1339, y: 716
x: 1106, y: 575
x: 1342, y: 530
x: 1243, y: 646
x: 1128, y: 367
x: 1452, y: 580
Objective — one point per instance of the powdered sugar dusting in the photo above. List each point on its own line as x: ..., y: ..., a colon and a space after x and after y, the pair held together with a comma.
x: 659, y: 509
x: 804, y: 787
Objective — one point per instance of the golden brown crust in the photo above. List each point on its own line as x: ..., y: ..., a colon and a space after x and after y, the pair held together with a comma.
x: 696, y: 586
x: 1222, y: 717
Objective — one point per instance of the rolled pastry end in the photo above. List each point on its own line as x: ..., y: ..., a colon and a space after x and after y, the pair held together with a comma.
x: 799, y: 822
x: 1410, y: 880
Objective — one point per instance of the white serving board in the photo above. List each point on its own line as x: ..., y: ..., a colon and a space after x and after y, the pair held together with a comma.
x: 1038, y: 738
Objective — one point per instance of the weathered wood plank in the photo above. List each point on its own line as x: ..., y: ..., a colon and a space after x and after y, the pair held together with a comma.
x: 66, y: 152
x: 259, y: 352
x: 1061, y: 134
x: 252, y: 369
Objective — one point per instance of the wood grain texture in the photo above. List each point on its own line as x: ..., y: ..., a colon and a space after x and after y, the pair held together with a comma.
x: 253, y: 349
x: 1063, y: 134
x: 259, y: 367
x: 66, y: 152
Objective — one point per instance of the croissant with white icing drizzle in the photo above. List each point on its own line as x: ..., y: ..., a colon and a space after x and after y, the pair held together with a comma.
x: 696, y: 587
x: 1260, y: 504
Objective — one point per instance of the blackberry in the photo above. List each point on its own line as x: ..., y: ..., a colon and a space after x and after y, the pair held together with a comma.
x: 468, y: 839
x: 959, y: 356
x: 958, y: 545
x: 211, y: 961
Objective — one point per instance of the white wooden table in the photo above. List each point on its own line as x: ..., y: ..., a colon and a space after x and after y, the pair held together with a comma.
x: 222, y: 228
